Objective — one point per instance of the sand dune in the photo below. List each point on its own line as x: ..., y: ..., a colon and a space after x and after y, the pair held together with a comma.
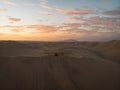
x: 77, y: 66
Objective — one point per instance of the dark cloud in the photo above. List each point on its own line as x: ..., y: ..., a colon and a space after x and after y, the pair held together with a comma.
x: 12, y: 19
x: 115, y: 12
x: 103, y: 22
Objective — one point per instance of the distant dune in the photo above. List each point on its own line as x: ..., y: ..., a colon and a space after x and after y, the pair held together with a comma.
x: 109, y: 50
x: 70, y: 40
x: 59, y: 65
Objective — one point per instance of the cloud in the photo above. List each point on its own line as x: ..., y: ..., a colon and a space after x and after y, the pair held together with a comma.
x: 104, y: 21
x: 37, y: 28
x: 76, y: 11
x: 72, y: 24
x: 75, y: 18
x: 46, y: 13
x: 106, y: 1
x: 18, y: 29
x: 43, y: 4
x: 11, y: 27
x: 1, y: 34
x: 3, y: 9
x: 85, y: 32
x: 14, y: 19
x: 92, y: 24
x: 29, y: 4
x: 115, y: 12
x: 72, y: 27
x: 9, y: 2
x: 43, y: 28
x: 102, y: 24
x: 48, y: 32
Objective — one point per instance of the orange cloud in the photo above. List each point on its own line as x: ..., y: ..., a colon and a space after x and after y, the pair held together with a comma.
x: 13, y: 28
x: 76, y: 19
x: 75, y: 11
x: 3, y: 9
x: 43, y: 28
x: 38, y: 28
x: 17, y: 30
x: 9, y: 26
x: 9, y: 2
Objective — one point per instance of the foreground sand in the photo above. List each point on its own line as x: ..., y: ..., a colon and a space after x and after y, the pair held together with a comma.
x: 78, y: 66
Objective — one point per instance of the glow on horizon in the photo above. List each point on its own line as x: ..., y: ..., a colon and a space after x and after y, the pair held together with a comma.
x: 52, y: 20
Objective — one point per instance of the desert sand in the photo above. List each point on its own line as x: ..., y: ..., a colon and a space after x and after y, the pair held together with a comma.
x: 30, y: 65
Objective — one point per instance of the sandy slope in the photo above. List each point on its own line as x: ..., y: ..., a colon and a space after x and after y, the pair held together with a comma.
x: 78, y: 66
x: 60, y: 72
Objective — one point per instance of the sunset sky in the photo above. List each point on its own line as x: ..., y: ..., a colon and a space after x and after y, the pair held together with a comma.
x: 53, y: 20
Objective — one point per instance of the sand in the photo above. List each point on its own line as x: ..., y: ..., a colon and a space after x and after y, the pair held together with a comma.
x: 77, y: 65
